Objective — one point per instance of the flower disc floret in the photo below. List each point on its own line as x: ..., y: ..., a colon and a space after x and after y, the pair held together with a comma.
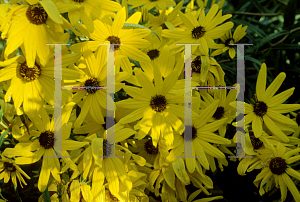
x: 219, y: 113
x: 91, y: 82
x: 198, y: 32
x: 36, y: 14
x: 150, y: 148
x: 30, y: 74
x: 9, y: 167
x: 46, y: 139
x: 158, y: 103
x: 277, y: 165
x: 260, y: 108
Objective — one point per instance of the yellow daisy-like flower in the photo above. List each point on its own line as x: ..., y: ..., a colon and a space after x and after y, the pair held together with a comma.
x: 96, y: 75
x: 203, y: 30
x: 157, y: 108
x: 43, y: 143
x: 278, y: 168
x: 148, y: 4
x: 32, y: 85
x: 87, y: 10
x: 224, y: 110
x: 9, y: 169
x: 202, y: 134
x: 202, y: 3
x: 28, y: 25
x: 131, y: 40
x: 297, y: 119
x: 227, y: 39
x: 268, y: 108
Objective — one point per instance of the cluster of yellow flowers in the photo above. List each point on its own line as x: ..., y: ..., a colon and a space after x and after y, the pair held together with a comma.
x: 149, y: 129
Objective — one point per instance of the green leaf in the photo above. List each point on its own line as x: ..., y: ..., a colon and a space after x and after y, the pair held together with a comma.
x: 259, y: 6
x: 286, y: 46
x: 271, y: 37
x: 251, y: 27
x: 132, y: 25
x: 253, y: 60
x: 3, y: 136
x: 46, y: 195
x: 289, y: 14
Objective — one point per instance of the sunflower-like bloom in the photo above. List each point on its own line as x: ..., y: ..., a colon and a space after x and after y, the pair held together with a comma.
x: 159, y: 4
x: 43, y: 144
x: 29, y: 25
x: 278, y: 168
x: 34, y: 85
x: 202, y: 134
x: 131, y: 40
x: 87, y: 10
x: 157, y: 107
x: 96, y: 75
x: 267, y: 108
x: 203, y: 30
x: 112, y: 169
x: 227, y: 39
x: 10, y: 169
x: 204, y: 4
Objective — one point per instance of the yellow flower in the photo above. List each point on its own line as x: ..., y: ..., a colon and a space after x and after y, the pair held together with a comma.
x: 157, y: 107
x: 202, y: 134
x: 278, y: 168
x: 87, y: 10
x: 10, y: 169
x: 227, y: 39
x: 267, y: 108
x: 203, y: 30
x: 96, y: 75
x: 28, y: 26
x: 44, y: 143
x: 33, y: 85
x: 159, y: 4
x: 131, y: 40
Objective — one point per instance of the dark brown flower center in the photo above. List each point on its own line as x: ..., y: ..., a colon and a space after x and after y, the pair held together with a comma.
x: 219, y: 113
x: 196, y: 64
x: 9, y: 167
x: 227, y: 42
x: 79, y: 1
x: 194, y: 134
x: 153, y: 54
x: 114, y: 40
x: 164, y: 26
x: 198, y: 32
x: 298, y: 119
x: 260, y: 108
x: 158, y: 103
x: 277, y: 165
x: 149, y: 147
x: 46, y: 139
x: 30, y: 73
x: 91, y: 82
x: 256, y: 142
x: 106, y: 148
x: 36, y: 14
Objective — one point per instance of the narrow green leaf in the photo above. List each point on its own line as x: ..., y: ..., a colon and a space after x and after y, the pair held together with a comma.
x: 289, y: 14
x: 253, y: 60
x: 271, y: 37
x: 3, y: 136
x: 286, y: 46
x: 132, y: 25
x: 46, y: 195
x: 259, y: 6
